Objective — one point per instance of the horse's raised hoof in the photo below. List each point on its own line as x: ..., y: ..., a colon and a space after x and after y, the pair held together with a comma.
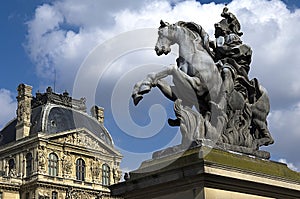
x: 136, y: 98
x: 145, y: 88
x: 173, y: 122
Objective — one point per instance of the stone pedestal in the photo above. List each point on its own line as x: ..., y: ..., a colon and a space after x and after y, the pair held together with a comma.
x: 206, y: 173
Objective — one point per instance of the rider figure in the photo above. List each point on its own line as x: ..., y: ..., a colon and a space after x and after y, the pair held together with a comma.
x: 229, y: 52
x: 233, y: 58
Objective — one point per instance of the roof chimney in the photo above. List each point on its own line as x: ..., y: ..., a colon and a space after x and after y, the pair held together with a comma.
x: 23, y: 111
x: 98, y: 113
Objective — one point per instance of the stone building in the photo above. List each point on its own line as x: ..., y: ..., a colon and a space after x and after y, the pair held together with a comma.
x: 55, y: 150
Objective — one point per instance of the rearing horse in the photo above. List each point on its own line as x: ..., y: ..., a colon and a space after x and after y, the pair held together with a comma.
x: 196, y: 77
x: 198, y: 83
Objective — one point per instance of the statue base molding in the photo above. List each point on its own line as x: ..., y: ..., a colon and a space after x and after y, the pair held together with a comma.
x: 209, y: 143
x: 203, y: 172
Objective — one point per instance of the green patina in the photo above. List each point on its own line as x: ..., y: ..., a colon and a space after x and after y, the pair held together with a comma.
x: 210, y: 156
x: 244, y: 162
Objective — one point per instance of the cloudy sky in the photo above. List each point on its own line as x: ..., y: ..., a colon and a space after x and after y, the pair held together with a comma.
x: 100, y: 48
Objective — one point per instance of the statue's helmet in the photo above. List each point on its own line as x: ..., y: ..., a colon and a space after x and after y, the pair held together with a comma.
x: 229, y: 24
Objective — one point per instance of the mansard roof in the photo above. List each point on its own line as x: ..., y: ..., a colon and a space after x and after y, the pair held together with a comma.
x: 53, y: 113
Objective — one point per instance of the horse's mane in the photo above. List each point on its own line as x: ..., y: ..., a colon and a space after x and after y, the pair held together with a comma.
x: 196, y: 28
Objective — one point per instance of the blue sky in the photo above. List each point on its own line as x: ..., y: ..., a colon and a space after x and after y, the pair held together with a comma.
x: 13, y: 17
x: 40, y: 37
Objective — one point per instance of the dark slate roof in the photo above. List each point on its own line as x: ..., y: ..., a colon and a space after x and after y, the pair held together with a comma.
x: 52, y: 118
x: 8, y: 133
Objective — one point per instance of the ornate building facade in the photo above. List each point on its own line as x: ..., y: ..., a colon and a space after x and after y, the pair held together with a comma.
x: 55, y: 150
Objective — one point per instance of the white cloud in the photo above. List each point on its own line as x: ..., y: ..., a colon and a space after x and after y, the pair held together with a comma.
x: 284, y: 126
x: 62, y: 34
x: 289, y: 164
x: 8, y: 106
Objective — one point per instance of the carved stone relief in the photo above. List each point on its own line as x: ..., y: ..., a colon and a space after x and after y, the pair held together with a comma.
x: 95, y: 168
x: 67, y: 164
x: 82, y: 139
x: 42, y: 159
x: 117, y: 174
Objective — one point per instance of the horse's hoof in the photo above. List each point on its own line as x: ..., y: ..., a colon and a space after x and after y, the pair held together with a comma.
x: 136, y: 98
x: 145, y: 88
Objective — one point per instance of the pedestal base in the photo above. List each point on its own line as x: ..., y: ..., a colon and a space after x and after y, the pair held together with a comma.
x: 203, y: 172
x: 222, y: 146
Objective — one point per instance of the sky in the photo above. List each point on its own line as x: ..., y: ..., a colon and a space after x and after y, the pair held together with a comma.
x: 99, y: 49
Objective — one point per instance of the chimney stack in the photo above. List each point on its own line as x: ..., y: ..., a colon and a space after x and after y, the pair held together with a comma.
x: 23, y: 111
x: 98, y: 113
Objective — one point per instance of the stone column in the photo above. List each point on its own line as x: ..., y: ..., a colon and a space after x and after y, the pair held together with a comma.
x: 22, y: 164
x: 60, y: 163
x: 4, y: 162
x: 1, y: 165
x: 17, y: 164
x: 35, y: 161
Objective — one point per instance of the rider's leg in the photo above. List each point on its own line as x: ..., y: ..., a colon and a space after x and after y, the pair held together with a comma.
x: 226, y: 88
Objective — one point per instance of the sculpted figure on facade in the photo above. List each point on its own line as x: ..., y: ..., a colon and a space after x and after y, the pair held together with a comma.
x: 10, y: 169
x: 117, y: 174
x: 69, y: 139
x: 42, y: 159
x: 96, y: 168
x: 20, y: 112
x: 77, y: 194
x: 12, y: 173
x: 67, y: 163
x: 82, y: 139
x: 214, y: 99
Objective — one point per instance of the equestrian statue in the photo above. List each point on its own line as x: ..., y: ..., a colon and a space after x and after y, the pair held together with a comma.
x: 212, y: 94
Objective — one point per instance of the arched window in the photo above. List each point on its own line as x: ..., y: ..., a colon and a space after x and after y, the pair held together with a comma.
x: 54, y: 195
x: 28, y: 164
x: 105, y: 174
x: 80, y: 169
x: 53, y: 164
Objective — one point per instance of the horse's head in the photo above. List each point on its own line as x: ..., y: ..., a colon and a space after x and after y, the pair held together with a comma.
x: 164, y: 41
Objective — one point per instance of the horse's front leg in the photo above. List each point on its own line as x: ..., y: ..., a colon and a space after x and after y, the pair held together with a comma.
x: 136, y: 96
x: 150, y: 81
x: 166, y: 89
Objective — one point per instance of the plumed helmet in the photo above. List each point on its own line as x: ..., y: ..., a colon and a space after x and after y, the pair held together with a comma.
x: 230, y: 23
